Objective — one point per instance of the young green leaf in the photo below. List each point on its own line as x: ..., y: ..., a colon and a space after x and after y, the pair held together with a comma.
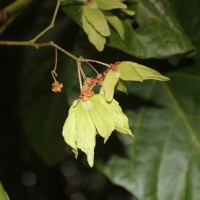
x: 91, y: 117
x: 128, y: 12
x: 109, y: 84
x: 110, y: 4
x: 85, y: 132
x: 116, y: 23
x: 69, y: 130
x: 128, y: 72
x: 94, y: 37
x: 102, y: 117
x: 131, y: 71
x: 97, y: 19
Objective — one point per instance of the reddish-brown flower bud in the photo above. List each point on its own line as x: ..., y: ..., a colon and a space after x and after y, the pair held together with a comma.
x: 57, y: 87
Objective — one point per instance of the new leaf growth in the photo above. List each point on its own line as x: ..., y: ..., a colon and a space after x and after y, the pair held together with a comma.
x: 100, y: 114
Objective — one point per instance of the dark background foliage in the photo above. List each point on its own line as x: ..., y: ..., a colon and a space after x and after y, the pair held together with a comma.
x: 22, y: 172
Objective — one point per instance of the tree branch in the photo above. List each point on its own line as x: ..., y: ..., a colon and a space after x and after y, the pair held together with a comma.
x: 38, y: 45
x: 51, y: 25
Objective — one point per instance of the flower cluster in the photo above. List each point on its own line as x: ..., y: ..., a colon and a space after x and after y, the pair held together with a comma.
x: 100, y: 114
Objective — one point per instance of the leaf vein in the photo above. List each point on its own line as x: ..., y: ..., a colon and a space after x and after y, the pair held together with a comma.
x: 182, y: 115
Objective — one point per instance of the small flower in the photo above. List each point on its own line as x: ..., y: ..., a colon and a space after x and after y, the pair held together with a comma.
x: 88, y: 118
x: 57, y: 87
x: 127, y: 71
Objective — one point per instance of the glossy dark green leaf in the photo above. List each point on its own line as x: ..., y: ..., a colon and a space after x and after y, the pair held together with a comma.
x: 159, y: 33
x: 166, y: 149
x: 163, y: 162
x: 154, y: 32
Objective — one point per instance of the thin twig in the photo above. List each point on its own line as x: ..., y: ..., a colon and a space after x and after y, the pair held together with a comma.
x: 92, y: 67
x: 96, y: 61
x: 53, y: 72
x: 16, y: 6
x: 80, y: 68
x: 51, y: 25
x: 63, y: 50
x: 79, y: 78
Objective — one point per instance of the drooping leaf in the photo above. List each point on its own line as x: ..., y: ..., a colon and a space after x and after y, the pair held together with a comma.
x: 69, y: 130
x: 109, y: 84
x: 94, y: 37
x: 89, y: 118
x: 131, y: 71
x: 85, y: 133
x: 111, y: 4
x: 97, y: 19
x: 3, y: 194
x: 102, y: 117
x: 116, y: 23
x: 120, y: 119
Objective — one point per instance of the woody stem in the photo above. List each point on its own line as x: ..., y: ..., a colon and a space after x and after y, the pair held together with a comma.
x: 38, y: 45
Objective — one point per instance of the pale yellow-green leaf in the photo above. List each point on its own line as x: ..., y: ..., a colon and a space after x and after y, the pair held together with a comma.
x: 69, y: 130
x: 110, y: 4
x: 128, y: 12
x: 121, y: 86
x: 85, y: 132
x: 128, y: 72
x: 3, y: 194
x: 144, y: 72
x: 116, y: 23
x: 101, y: 91
x: 102, y: 117
x: 97, y: 19
x: 120, y: 119
x: 109, y: 84
x: 94, y: 37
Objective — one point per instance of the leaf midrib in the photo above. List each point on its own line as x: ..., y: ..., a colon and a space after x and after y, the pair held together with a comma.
x: 182, y: 115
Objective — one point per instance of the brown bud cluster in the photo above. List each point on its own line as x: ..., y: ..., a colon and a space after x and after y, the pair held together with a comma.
x: 114, y: 66
x: 90, y: 83
x: 87, y: 89
x: 57, y: 87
